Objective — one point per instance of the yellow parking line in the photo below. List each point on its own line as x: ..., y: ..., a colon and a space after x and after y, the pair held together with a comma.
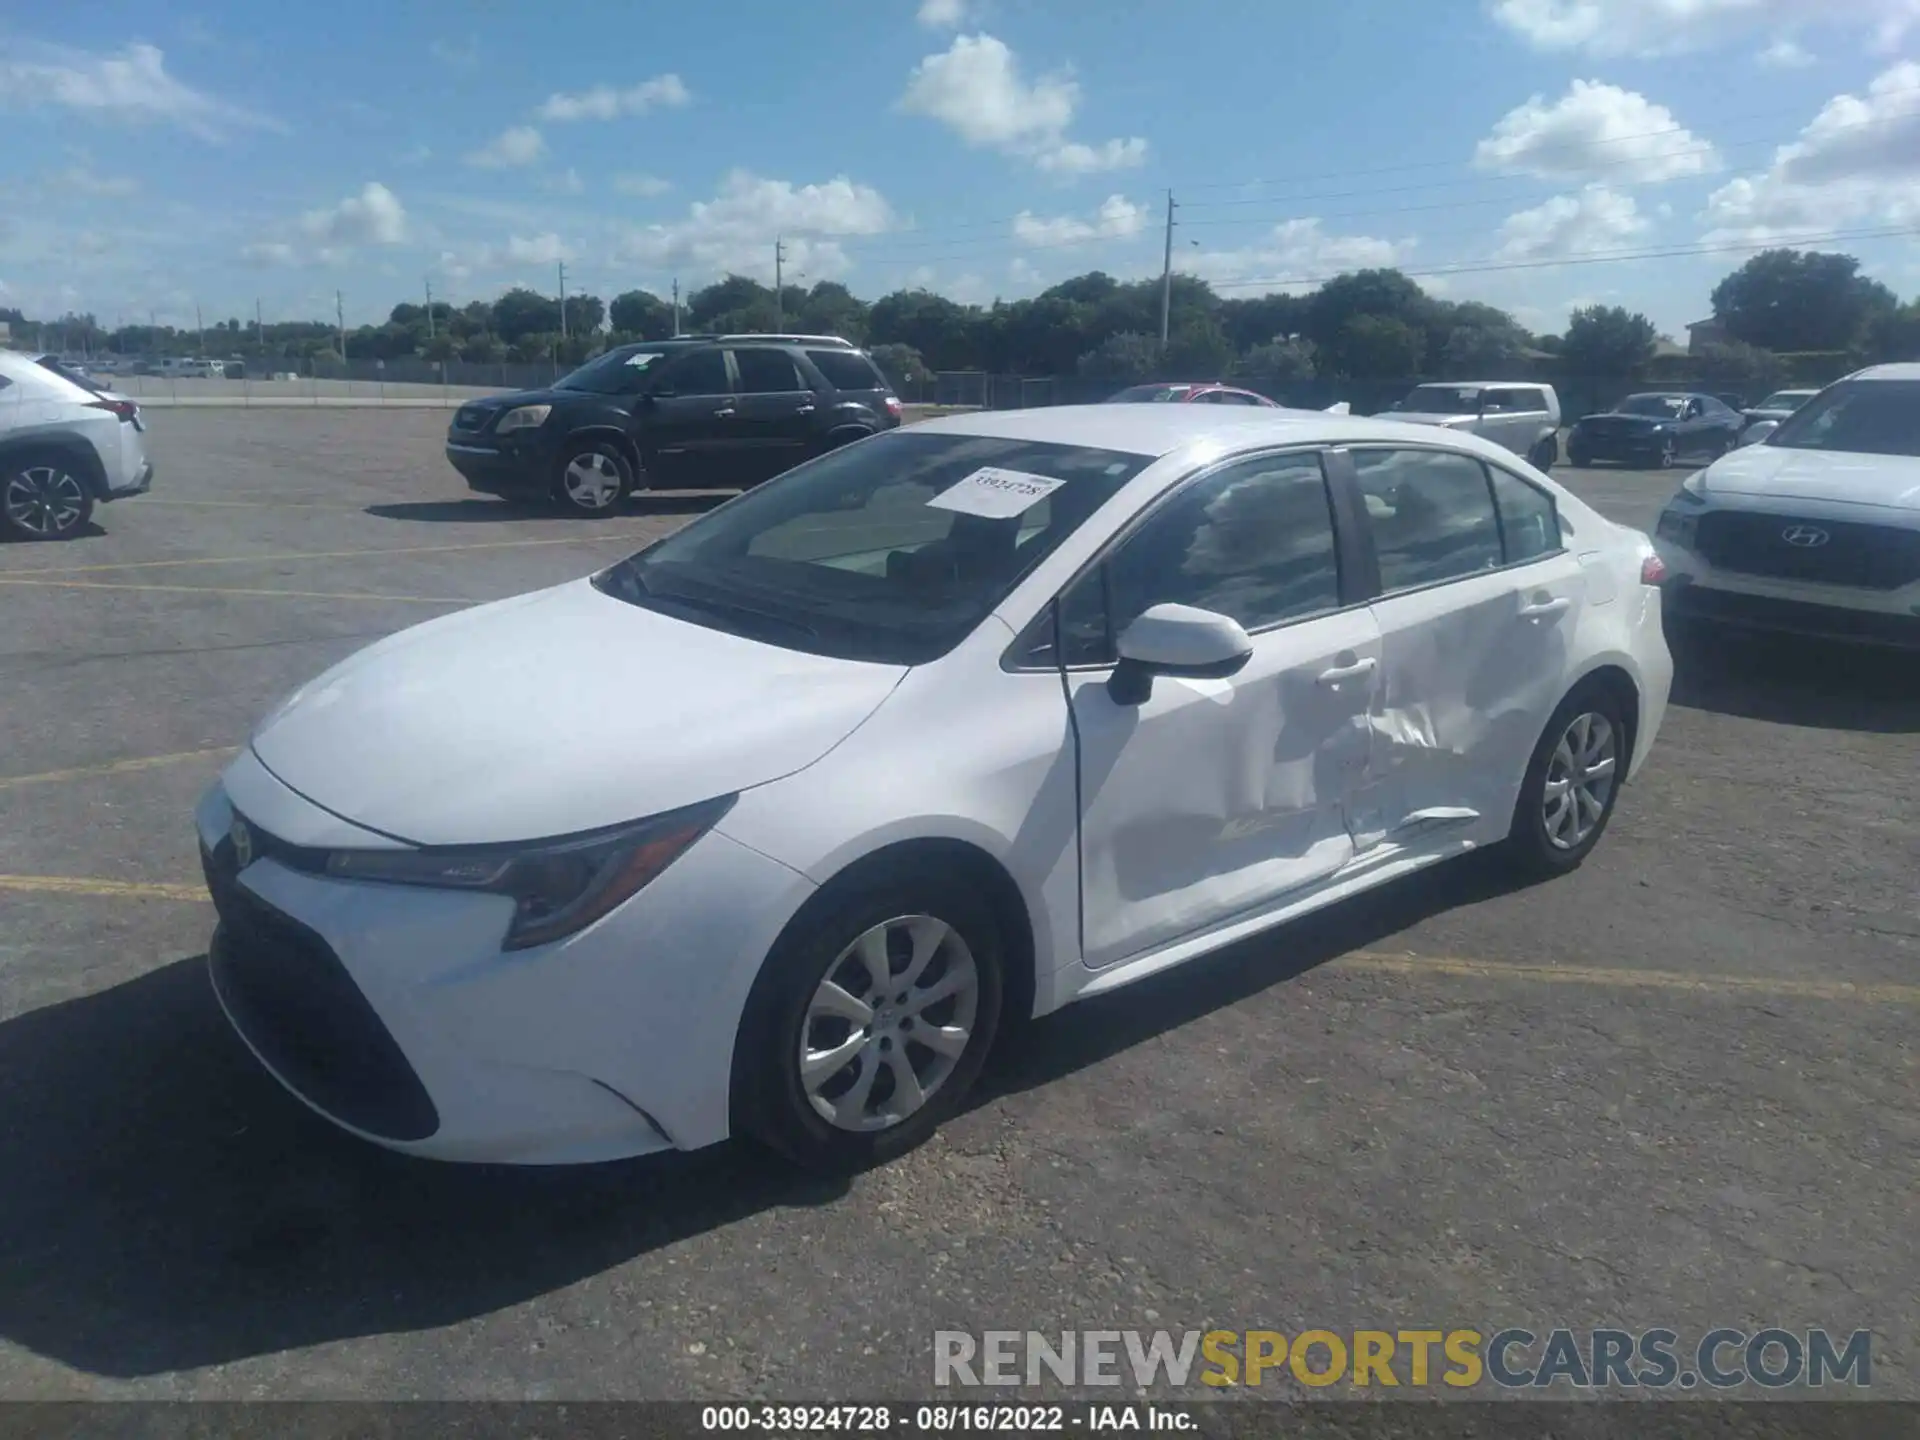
x: 1631, y: 979
x: 113, y: 767
x: 104, y: 889
x: 228, y: 590
x: 361, y: 554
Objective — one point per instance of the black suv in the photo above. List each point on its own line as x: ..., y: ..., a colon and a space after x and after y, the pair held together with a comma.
x: 696, y: 412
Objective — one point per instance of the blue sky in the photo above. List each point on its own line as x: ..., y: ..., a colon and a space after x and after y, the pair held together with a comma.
x: 221, y: 153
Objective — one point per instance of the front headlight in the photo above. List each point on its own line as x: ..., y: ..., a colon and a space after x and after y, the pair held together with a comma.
x: 558, y: 886
x: 524, y: 417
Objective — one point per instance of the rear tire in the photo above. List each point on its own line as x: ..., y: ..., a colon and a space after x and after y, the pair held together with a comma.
x: 1571, y: 784
x: 874, y: 1089
x: 1545, y: 453
x: 42, y: 497
x: 595, y: 476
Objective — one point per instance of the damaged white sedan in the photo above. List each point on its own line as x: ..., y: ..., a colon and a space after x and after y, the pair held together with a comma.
x: 768, y: 829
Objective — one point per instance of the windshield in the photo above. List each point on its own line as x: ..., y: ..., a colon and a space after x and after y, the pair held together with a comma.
x: 892, y: 549
x: 1863, y: 417
x: 618, y: 372
x: 1785, y: 400
x: 1666, y: 407
x: 1154, y: 393
x: 1442, y: 400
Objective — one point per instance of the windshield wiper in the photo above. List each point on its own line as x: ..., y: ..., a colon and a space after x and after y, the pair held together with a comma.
x: 729, y: 609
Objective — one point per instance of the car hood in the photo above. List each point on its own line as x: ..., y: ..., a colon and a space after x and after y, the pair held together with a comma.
x: 1428, y: 417
x: 1621, y: 417
x: 1781, y: 473
x: 512, y: 398
x: 557, y: 712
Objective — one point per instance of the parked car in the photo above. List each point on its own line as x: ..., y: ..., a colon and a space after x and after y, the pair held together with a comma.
x: 1525, y: 418
x: 1656, y: 429
x: 1772, y: 410
x: 1189, y: 393
x: 956, y: 725
x: 1815, y: 530
x: 703, y: 411
x: 64, y: 448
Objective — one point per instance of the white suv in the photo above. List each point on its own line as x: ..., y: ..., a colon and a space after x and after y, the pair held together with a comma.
x: 1816, y: 529
x: 63, y: 449
x: 1523, y: 416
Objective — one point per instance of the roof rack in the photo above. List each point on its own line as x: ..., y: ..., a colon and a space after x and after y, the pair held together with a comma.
x: 835, y: 340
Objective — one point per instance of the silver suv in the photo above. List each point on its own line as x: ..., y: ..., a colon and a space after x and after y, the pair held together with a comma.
x: 1524, y: 417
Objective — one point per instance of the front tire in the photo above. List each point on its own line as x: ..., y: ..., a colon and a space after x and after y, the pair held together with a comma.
x: 870, y: 1022
x: 1571, y: 785
x: 1669, y: 454
x: 41, y: 498
x: 1544, y: 454
x: 594, y: 478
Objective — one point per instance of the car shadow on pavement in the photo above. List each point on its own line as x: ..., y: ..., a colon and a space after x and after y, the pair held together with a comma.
x: 165, y: 1206
x: 1788, y: 680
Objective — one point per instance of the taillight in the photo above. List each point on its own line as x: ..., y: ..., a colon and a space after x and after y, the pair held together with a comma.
x: 893, y: 406
x: 126, y: 410
x: 1653, y: 570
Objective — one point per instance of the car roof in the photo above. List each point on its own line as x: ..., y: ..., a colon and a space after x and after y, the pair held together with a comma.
x: 1156, y: 430
x: 1901, y: 370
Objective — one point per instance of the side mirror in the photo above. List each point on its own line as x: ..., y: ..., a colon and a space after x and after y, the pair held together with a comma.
x: 1177, y: 640
x: 1758, y: 431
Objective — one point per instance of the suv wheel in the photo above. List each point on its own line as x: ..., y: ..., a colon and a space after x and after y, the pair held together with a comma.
x: 42, y: 499
x: 1545, y: 453
x: 594, y: 478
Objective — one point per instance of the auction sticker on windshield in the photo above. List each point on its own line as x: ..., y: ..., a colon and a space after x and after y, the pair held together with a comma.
x: 995, y: 494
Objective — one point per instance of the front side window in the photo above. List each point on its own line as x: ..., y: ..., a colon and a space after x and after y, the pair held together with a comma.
x: 618, y: 372
x: 890, y: 550
x: 1861, y: 417
x: 1254, y: 541
x: 1432, y: 513
x: 1658, y: 407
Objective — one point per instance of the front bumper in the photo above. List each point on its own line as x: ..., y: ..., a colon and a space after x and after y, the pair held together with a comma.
x: 392, y: 1012
x: 1742, y: 610
x: 1620, y: 449
x: 522, y: 464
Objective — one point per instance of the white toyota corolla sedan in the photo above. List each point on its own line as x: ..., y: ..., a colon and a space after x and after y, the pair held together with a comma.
x: 769, y: 828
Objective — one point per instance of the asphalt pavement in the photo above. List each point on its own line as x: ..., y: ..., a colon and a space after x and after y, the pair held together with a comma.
x: 1677, y: 1088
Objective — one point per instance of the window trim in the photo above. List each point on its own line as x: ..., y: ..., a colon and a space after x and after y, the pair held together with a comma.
x: 1487, y: 467
x: 1351, y: 564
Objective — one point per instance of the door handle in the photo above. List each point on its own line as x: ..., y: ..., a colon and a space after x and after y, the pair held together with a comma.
x: 1536, y: 609
x: 725, y: 413
x: 804, y: 410
x: 1347, y: 672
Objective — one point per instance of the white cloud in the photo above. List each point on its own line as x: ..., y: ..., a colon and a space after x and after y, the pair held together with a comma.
x: 736, y: 230
x: 1117, y: 218
x: 270, y: 252
x: 130, y: 86
x: 1785, y: 53
x: 1665, y: 27
x: 84, y: 181
x: 943, y: 14
x: 566, y: 183
x: 1595, y: 130
x: 1295, y: 256
x: 519, y: 145
x: 605, y: 102
x: 1596, y: 219
x: 373, y: 217
x: 1857, y: 160
x: 976, y: 89
x: 643, y: 186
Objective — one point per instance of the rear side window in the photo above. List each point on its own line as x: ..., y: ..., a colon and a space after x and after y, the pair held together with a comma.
x: 1529, y: 523
x: 767, y: 372
x: 1432, y: 514
x: 848, y: 370
x: 1529, y: 400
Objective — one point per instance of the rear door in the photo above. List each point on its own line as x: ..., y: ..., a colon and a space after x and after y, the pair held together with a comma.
x: 688, y: 430
x: 1478, y: 607
x: 778, y: 412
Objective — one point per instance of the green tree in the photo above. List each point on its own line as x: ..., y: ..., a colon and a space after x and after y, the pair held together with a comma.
x: 482, y: 349
x: 715, y: 307
x: 1745, y: 369
x: 943, y: 331
x: 585, y: 314
x: 1279, y: 361
x: 1199, y: 348
x: 1379, y: 347
x: 442, y: 347
x: 1122, y: 359
x: 1608, y: 341
x: 1483, y: 352
x: 1263, y: 319
x: 902, y: 365
x: 520, y: 313
x: 831, y: 309
x: 1790, y: 300
x: 1383, y: 294
x: 1895, y: 335
x: 642, y: 315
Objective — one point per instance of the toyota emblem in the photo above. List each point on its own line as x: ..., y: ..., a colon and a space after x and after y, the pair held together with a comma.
x: 242, y: 843
x: 1807, y: 537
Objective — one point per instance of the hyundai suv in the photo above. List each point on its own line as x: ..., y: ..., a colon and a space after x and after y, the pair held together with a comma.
x: 697, y: 412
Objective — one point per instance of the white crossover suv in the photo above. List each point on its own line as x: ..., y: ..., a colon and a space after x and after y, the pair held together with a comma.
x: 1815, y: 530
x: 63, y: 450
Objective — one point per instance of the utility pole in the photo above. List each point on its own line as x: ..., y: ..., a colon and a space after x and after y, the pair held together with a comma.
x: 779, y: 273
x: 340, y: 319
x: 259, y: 325
x: 563, y: 299
x: 1166, y: 278
x: 429, y: 307
x: 676, y: 307
x: 200, y: 326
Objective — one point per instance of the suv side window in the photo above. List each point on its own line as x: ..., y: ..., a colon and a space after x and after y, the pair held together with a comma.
x: 1432, y: 513
x: 1532, y: 401
x: 1529, y: 521
x: 704, y: 372
x: 1254, y: 540
x: 767, y: 372
x: 848, y: 370
x: 1496, y: 402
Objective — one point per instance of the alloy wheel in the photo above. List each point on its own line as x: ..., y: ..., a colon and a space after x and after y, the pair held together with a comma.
x: 45, y: 500
x: 888, y: 1023
x: 1668, y: 454
x: 592, y: 480
x: 1580, y: 780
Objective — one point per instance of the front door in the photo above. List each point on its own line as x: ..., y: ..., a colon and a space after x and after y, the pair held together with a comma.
x: 1477, y: 613
x: 778, y: 413
x: 688, y: 424
x: 1215, y: 798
